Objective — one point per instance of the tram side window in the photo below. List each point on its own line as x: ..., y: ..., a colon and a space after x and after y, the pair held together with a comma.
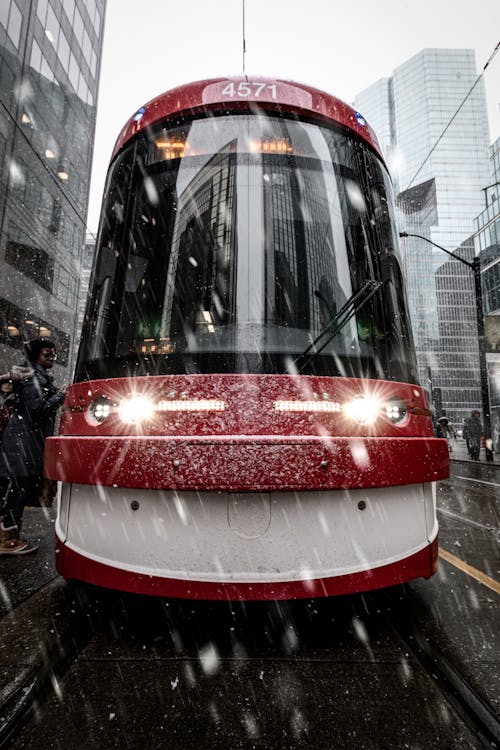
x: 103, y: 310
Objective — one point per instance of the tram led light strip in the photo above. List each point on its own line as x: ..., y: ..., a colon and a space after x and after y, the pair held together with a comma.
x: 326, y: 406
x: 140, y: 408
x: 200, y: 405
x: 364, y: 410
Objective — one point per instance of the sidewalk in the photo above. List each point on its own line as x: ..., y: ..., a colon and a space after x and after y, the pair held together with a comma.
x: 22, y: 575
x: 458, y: 452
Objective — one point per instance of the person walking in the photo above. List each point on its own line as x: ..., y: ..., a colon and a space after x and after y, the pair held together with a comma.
x: 445, y: 429
x: 474, y: 434
x: 21, y: 457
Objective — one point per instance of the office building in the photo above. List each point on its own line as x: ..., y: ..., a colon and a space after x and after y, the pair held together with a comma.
x: 439, y: 170
x: 487, y: 236
x: 50, y: 54
x: 487, y: 243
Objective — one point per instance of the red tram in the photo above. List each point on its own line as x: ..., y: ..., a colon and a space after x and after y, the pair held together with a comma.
x: 246, y: 420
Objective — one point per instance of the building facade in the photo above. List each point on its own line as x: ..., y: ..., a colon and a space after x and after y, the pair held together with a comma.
x: 439, y: 170
x: 487, y: 245
x: 50, y: 53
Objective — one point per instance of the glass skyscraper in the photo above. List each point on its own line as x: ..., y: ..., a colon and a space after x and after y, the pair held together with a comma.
x: 439, y: 180
x: 50, y: 54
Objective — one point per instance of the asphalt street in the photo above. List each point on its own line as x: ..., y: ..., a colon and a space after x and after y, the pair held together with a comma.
x: 334, y: 673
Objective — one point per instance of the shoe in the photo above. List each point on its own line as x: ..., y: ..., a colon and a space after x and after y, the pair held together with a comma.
x: 11, y: 544
x: 17, y: 547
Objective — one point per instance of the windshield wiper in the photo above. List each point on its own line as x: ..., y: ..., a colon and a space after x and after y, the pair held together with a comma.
x: 344, y: 315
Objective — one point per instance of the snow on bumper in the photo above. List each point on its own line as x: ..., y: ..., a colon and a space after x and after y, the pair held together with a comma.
x: 246, y: 463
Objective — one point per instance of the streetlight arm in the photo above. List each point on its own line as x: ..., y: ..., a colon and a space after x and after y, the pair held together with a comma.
x: 483, y: 374
x: 431, y: 242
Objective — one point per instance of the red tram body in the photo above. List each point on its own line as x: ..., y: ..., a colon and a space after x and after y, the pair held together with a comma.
x: 246, y: 420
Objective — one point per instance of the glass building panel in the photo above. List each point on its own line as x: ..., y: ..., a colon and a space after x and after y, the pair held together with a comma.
x: 4, y: 14
x: 41, y: 11
x: 52, y: 27
x: 14, y: 24
x: 63, y: 50
x: 40, y: 216
x: 69, y: 8
x: 78, y: 27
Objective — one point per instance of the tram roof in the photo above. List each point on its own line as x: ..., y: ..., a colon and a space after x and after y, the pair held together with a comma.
x: 244, y: 92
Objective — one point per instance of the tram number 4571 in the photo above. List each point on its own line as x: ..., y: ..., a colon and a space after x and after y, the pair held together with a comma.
x: 244, y: 89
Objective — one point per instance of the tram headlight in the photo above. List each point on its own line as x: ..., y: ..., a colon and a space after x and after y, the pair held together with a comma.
x: 363, y: 409
x: 136, y: 409
x: 366, y: 409
x: 395, y: 410
x: 99, y: 409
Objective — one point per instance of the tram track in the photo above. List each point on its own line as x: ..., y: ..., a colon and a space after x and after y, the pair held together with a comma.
x: 472, y: 708
x: 469, y: 521
x: 80, y: 618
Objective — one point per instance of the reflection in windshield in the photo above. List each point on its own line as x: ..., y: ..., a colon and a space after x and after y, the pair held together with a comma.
x: 229, y: 243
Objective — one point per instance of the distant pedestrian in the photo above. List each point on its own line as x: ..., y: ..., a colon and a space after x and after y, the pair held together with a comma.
x: 474, y: 434
x: 21, y: 457
x: 465, y: 434
x: 446, y: 430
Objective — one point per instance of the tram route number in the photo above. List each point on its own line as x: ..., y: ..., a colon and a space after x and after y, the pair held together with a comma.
x: 244, y: 90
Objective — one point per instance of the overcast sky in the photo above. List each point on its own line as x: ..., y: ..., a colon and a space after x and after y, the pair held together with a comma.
x: 151, y: 46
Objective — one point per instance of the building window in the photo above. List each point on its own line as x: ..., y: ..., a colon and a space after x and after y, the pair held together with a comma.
x: 17, y: 326
x: 11, y: 19
x: 32, y: 262
x: 65, y: 287
x: 69, y: 7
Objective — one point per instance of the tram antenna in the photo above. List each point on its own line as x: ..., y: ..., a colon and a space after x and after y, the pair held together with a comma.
x: 243, y: 33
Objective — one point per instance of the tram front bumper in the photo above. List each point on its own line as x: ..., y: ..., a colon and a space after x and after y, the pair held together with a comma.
x: 232, y: 545
x: 246, y: 463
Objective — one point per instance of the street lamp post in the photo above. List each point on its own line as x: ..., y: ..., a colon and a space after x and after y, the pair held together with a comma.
x: 483, y: 375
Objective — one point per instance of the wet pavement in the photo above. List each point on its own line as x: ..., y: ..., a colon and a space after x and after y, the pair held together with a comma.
x: 322, y: 673
x: 22, y: 575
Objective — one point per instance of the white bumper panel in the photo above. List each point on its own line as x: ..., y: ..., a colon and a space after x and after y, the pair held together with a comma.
x: 246, y: 537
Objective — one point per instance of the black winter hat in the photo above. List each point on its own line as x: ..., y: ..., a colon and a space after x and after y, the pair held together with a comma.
x: 33, y: 348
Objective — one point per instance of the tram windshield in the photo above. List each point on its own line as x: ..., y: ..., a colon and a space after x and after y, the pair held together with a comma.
x: 228, y: 244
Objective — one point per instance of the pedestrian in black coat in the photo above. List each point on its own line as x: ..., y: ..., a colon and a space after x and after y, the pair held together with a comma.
x: 21, y: 456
